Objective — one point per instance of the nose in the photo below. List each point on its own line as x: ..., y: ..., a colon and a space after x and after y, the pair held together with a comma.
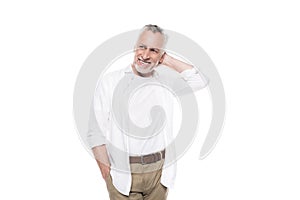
x: 146, y: 54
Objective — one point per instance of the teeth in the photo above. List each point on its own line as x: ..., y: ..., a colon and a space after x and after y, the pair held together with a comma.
x: 143, y: 61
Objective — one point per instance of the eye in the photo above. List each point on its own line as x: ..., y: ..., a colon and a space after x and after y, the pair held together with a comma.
x: 142, y: 47
x: 156, y: 51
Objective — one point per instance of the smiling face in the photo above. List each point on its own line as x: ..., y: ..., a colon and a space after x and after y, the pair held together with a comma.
x: 148, y: 52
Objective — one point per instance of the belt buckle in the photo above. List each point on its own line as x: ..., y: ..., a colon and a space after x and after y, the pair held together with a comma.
x: 161, y: 156
x: 142, y: 160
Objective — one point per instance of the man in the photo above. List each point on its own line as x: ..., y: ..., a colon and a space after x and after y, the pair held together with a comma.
x: 143, y: 152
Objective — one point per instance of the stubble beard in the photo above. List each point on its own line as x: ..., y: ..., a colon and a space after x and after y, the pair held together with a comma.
x: 143, y: 70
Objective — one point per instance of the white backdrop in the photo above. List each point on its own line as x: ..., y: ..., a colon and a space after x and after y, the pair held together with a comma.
x: 254, y: 45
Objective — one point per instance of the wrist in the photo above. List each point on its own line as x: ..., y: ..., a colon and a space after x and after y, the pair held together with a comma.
x: 167, y: 60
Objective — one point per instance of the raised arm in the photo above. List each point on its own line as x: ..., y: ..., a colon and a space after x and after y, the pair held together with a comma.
x: 175, y: 64
x: 188, y: 73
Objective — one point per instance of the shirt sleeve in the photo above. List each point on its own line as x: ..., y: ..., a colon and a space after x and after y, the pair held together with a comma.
x: 99, y: 117
x: 195, y: 79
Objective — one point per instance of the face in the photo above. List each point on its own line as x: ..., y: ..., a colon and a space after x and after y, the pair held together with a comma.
x: 148, y: 52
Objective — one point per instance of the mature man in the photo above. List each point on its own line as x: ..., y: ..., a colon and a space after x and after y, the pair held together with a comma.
x: 147, y: 175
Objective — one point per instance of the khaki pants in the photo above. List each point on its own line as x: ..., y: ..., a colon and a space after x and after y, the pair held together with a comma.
x: 145, y: 183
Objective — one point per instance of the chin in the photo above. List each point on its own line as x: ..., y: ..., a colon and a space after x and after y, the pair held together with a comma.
x: 144, y: 70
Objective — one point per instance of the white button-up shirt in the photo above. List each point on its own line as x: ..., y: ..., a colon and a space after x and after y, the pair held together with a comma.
x: 104, y: 128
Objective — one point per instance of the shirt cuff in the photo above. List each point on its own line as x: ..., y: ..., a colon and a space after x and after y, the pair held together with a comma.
x: 95, y: 140
x: 185, y: 74
x: 195, y: 78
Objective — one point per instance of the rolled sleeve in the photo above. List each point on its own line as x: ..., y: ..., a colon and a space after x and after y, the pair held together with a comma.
x: 95, y: 136
x: 194, y: 78
x: 99, y: 117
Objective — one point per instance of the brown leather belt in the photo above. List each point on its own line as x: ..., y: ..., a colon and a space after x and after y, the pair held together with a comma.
x: 147, y: 159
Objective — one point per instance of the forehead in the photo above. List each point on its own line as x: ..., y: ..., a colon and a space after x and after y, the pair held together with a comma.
x: 150, y: 39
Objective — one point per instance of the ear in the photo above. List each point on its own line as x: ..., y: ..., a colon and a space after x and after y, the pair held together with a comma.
x: 161, y: 60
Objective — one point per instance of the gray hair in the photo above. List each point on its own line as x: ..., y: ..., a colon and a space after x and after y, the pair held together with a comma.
x: 154, y: 29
